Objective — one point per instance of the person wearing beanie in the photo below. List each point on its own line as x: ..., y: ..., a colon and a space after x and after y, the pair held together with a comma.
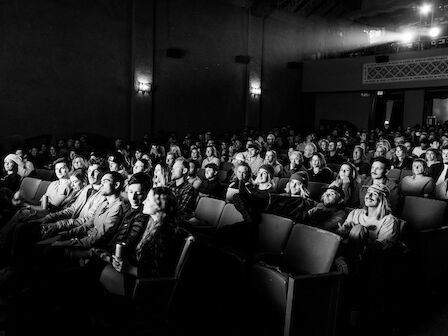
x: 295, y: 202
x: 329, y: 211
x: 264, y: 180
x: 211, y: 186
x: 11, y: 179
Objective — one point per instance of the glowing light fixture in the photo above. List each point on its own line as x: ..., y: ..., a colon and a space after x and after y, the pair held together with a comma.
x: 425, y: 9
x: 434, y: 31
x: 255, y: 91
x: 144, y: 87
x: 407, y: 36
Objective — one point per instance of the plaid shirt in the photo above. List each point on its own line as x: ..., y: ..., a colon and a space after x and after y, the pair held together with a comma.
x: 186, y: 198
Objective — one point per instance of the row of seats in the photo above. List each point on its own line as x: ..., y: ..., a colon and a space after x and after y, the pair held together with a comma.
x: 32, y: 189
x: 291, y: 257
x: 398, y: 174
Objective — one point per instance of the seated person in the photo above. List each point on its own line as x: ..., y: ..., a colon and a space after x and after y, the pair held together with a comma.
x: 241, y: 182
x: 184, y: 191
x: 333, y: 154
x: 400, y: 159
x: 271, y: 159
x: 295, y: 164
x: 380, y: 167
x: 156, y: 253
x: 105, y: 220
x: 373, y: 225
x: 329, y: 213
x: 161, y: 175
x: 350, y: 182
x: 193, y: 177
x: 295, y: 203
x: 11, y: 179
x: 360, y: 161
x: 319, y: 171
x: 211, y: 185
x: 419, y: 184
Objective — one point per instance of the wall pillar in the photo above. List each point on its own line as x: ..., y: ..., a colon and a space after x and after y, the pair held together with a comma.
x: 413, y: 107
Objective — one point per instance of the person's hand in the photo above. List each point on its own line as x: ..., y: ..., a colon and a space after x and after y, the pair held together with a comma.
x: 120, y: 264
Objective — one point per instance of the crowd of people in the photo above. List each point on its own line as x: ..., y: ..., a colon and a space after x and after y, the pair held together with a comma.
x: 145, y: 194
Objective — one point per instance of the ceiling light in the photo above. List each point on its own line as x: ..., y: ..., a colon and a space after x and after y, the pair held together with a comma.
x: 425, y: 9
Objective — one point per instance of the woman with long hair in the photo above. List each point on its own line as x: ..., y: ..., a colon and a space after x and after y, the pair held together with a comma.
x: 401, y: 160
x: 319, y: 171
x: 349, y: 181
x: 211, y: 156
x: 158, y: 250
x: 161, y: 175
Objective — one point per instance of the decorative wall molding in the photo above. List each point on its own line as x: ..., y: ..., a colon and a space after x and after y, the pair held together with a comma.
x: 429, y: 68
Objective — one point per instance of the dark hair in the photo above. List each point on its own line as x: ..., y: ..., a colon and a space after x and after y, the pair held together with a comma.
x: 117, y: 178
x: 195, y: 162
x: 143, y: 179
x: 167, y: 202
x: 145, y: 163
x: 60, y: 160
x: 383, y: 160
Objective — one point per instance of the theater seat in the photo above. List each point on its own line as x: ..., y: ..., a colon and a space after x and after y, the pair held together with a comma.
x: 303, y: 267
x: 230, y: 215
x: 42, y: 189
x: 404, y: 173
x: 423, y: 213
x: 28, y: 190
x: 45, y: 174
x: 281, y: 185
x: 394, y: 174
x: 427, y: 236
x: 207, y: 213
x: 157, y: 295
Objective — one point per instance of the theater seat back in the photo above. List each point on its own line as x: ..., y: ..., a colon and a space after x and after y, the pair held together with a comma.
x: 28, y: 188
x: 310, y: 250
x: 230, y: 215
x: 209, y: 210
x: 273, y: 233
x: 423, y: 213
x: 42, y: 189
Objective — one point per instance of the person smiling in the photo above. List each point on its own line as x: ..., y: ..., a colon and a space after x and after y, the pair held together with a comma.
x: 380, y: 167
x: 373, y: 224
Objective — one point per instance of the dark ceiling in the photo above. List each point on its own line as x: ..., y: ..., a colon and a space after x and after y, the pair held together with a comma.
x: 374, y: 13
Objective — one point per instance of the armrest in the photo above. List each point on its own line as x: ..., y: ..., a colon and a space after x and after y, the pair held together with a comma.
x: 435, y: 230
x: 268, y: 258
x: 145, y: 288
x: 310, y: 277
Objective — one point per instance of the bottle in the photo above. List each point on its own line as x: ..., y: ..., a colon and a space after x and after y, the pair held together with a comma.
x: 44, y: 202
x: 119, y: 250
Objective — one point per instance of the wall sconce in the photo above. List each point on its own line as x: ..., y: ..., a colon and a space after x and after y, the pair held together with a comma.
x: 255, y: 91
x: 144, y: 87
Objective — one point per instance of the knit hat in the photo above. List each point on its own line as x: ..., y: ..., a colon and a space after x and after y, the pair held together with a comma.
x: 381, y: 188
x: 300, y: 176
x: 15, y: 158
x: 337, y: 189
x: 269, y: 169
